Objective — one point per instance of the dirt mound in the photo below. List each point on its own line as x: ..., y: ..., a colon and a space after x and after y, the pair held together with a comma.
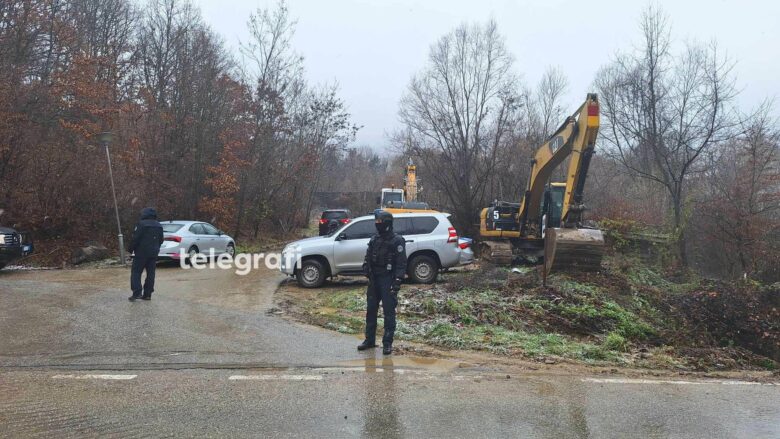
x: 728, y: 314
x: 630, y: 307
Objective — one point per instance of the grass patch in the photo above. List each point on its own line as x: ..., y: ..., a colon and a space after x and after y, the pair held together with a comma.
x: 627, y: 323
x: 607, y: 315
x: 615, y: 342
x: 478, y: 317
x: 568, y: 285
x: 429, y: 306
x: 247, y: 248
x: 344, y: 324
x: 460, y: 310
x: 499, y: 340
x: 352, y: 300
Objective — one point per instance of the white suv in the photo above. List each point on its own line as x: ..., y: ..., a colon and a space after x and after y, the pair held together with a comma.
x: 431, y: 245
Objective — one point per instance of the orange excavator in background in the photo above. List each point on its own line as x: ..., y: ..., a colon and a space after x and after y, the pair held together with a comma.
x: 547, y: 224
x: 405, y: 200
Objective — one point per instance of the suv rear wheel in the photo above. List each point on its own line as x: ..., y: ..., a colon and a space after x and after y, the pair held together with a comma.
x: 311, y: 274
x: 423, y: 269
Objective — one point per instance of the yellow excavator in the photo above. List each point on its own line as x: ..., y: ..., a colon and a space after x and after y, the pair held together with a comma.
x: 405, y: 200
x: 547, y: 224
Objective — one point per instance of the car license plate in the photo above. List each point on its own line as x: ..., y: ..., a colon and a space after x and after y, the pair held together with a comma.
x: 26, y: 248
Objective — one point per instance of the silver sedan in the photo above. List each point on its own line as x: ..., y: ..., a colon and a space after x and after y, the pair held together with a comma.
x: 194, y: 237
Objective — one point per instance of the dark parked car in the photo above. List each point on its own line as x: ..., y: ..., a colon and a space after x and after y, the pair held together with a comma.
x: 332, y: 219
x: 13, y: 245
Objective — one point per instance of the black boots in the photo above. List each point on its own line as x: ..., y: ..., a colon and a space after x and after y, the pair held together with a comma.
x: 133, y: 298
x: 146, y: 297
x: 366, y: 345
x: 386, y: 350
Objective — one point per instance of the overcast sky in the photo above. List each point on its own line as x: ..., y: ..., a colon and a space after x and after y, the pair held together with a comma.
x: 371, y: 48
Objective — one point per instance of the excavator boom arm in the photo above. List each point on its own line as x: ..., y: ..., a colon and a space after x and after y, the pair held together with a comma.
x: 576, y: 138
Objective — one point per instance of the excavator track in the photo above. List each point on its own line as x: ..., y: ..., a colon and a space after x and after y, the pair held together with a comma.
x: 496, y: 252
x: 573, y: 250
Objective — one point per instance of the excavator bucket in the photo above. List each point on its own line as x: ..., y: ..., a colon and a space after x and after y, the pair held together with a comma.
x: 573, y: 250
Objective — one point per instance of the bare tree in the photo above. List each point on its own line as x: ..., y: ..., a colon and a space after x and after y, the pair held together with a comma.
x: 278, y: 90
x: 275, y: 64
x: 739, y: 199
x: 163, y: 36
x: 549, y: 94
x: 663, y: 112
x: 459, y: 111
x: 294, y: 128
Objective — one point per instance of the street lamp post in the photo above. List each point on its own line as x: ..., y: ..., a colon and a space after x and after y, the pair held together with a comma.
x: 105, y: 140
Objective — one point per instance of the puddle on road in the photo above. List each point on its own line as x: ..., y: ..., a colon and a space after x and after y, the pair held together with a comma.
x: 430, y: 364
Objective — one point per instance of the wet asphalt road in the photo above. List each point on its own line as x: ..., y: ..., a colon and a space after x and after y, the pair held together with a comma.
x: 196, y: 317
x: 206, y: 358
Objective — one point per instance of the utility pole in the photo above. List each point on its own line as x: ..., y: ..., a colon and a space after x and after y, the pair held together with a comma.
x: 105, y: 139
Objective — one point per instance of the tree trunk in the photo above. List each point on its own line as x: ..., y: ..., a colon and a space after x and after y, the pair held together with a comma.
x: 679, y: 228
x: 240, y: 209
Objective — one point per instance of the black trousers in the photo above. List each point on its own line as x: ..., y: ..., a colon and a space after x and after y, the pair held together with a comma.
x: 140, y: 264
x: 379, y: 291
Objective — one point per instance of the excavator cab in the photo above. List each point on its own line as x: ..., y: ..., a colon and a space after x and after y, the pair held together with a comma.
x: 552, y: 206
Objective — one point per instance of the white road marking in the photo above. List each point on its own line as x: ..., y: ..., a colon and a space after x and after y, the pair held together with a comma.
x: 94, y: 377
x: 276, y: 377
x: 679, y: 382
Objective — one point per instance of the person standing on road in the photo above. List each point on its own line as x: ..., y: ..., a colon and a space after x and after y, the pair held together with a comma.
x: 385, y: 267
x: 147, y: 239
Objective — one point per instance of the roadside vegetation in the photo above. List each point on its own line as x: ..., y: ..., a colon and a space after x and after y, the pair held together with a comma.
x: 633, y: 313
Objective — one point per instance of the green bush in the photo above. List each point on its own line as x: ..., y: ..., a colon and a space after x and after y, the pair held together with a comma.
x: 615, y: 342
x: 627, y: 323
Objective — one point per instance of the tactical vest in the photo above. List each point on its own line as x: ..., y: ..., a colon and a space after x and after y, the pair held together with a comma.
x: 382, y: 255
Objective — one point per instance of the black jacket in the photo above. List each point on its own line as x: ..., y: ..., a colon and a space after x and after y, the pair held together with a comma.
x: 386, y: 254
x: 147, y: 235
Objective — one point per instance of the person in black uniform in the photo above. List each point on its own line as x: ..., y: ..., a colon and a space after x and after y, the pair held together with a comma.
x: 385, y: 266
x: 147, y: 239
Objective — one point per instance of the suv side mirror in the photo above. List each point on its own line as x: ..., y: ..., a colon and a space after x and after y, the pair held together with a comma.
x: 342, y: 237
x: 378, y: 200
x: 220, y: 232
